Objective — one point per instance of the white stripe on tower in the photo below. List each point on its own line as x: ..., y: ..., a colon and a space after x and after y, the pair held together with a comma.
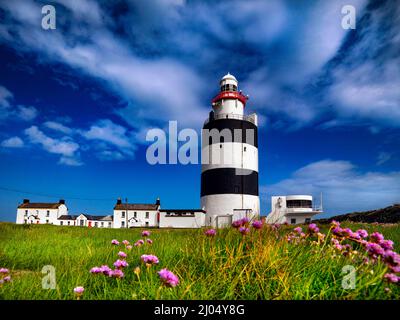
x: 229, y: 178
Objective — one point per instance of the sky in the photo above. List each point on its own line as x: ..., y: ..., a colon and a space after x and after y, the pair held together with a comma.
x: 77, y: 101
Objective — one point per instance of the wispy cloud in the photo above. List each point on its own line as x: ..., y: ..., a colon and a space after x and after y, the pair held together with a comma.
x: 13, y: 142
x: 65, y: 147
x: 383, y: 157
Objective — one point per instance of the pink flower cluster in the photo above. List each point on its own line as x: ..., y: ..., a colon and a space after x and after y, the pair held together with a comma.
x: 4, y: 275
x: 139, y: 243
x: 376, y: 247
x: 168, y: 278
x: 115, y: 242
x: 210, y: 232
x: 244, y: 230
x: 258, y: 224
x: 149, y: 259
x: 145, y: 233
x: 240, y: 223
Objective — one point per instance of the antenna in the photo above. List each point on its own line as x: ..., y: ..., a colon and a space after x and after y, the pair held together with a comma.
x: 321, y: 202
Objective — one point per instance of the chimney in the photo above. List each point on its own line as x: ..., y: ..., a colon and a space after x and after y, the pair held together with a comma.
x: 119, y: 201
x: 62, y: 201
x: 26, y: 201
x: 158, y: 202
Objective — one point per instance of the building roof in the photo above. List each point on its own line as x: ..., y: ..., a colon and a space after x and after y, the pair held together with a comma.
x: 228, y: 76
x: 87, y: 216
x: 136, y: 206
x: 183, y: 210
x: 67, y: 217
x: 39, y: 205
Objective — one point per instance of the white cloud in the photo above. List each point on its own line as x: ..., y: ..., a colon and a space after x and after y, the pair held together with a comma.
x: 113, y: 134
x: 27, y: 113
x: 58, y: 127
x: 13, y: 142
x: 383, y: 157
x: 344, y: 187
x: 64, y: 147
x: 70, y: 161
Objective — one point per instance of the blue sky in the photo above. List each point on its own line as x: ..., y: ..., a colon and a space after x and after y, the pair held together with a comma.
x: 76, y: 102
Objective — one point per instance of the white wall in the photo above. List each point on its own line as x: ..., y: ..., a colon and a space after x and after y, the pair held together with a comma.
x: 42, y: 214
x: 197, y: 221
x: 230, y: 155
x: 223, y: 204
x: 142, y: 221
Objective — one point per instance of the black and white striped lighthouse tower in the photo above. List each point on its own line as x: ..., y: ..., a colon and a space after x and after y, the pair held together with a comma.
x: 229, y: 178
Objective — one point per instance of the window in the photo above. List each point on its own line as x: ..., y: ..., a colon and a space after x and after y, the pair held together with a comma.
x: 123, y: 214
x: 96, y: 224
x: 220, y: 146
x: 293, y: 221
x: 109, y: 224
x: 47, y: 221
x: 244, y: 149
x: 26, y: 212
x: 298, y: 204
x: 123, y: 224
x: 69, y: 223
x: 135, y: 214
x: 48, y: 213
x: 102, y: 224
x: 308, y: 220
x: 61, y: 223
x: 147, y: 215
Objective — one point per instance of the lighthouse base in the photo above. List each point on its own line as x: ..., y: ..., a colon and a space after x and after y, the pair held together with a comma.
x: 223, y: 209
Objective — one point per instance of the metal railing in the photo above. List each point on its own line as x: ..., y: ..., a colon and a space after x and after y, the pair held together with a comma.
x: 249, y: 118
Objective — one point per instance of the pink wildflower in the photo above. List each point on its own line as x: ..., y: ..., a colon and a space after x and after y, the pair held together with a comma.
x: 79, y: 291
x: 258, y: 224
x: 362, y: 233
x: 125, y: 242
x: 116, y: 273
x: 149, y: 259
x: 122, y: 254
x: 298, y: 230
x: 145, y: 233
x: 313, y: 228
x: 168, y: 278
x: 149, y: 241
x: 120, y: 264
x: 210, y: 232
x: 129, y: 247
x: 391, y: 277
x: 4, y: 271
x: 377, y: 237
x: 115, y: 242
x: 244, y: 230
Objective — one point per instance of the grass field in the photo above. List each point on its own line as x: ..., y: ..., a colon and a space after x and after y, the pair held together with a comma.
x: 259, y: 265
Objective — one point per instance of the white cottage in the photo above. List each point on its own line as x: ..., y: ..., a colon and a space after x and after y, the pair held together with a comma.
x: 86, y: 220
x: 40, y: 212
x: 130, y: 215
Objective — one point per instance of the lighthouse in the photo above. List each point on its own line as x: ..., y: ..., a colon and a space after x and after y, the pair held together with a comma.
x: 229, y: 174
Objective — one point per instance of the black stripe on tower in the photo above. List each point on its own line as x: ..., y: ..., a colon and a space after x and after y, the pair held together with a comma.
x: 231, y: 124
x: 226, y: 180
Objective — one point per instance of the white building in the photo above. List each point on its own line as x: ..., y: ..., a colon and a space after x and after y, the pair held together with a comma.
x: 129, y: 215
x: 182, y: 218
x: 40, y: 212
x: 86, y: 220
x: 292, y: 209
x: 229, y: 158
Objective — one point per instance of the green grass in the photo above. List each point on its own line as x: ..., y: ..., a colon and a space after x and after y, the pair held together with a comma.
x: 261, y: 265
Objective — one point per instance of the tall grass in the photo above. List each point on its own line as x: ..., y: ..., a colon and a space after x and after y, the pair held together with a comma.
x: 261, y: 265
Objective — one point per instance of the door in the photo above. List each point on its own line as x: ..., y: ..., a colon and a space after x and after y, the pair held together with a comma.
x: 90, y: 224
